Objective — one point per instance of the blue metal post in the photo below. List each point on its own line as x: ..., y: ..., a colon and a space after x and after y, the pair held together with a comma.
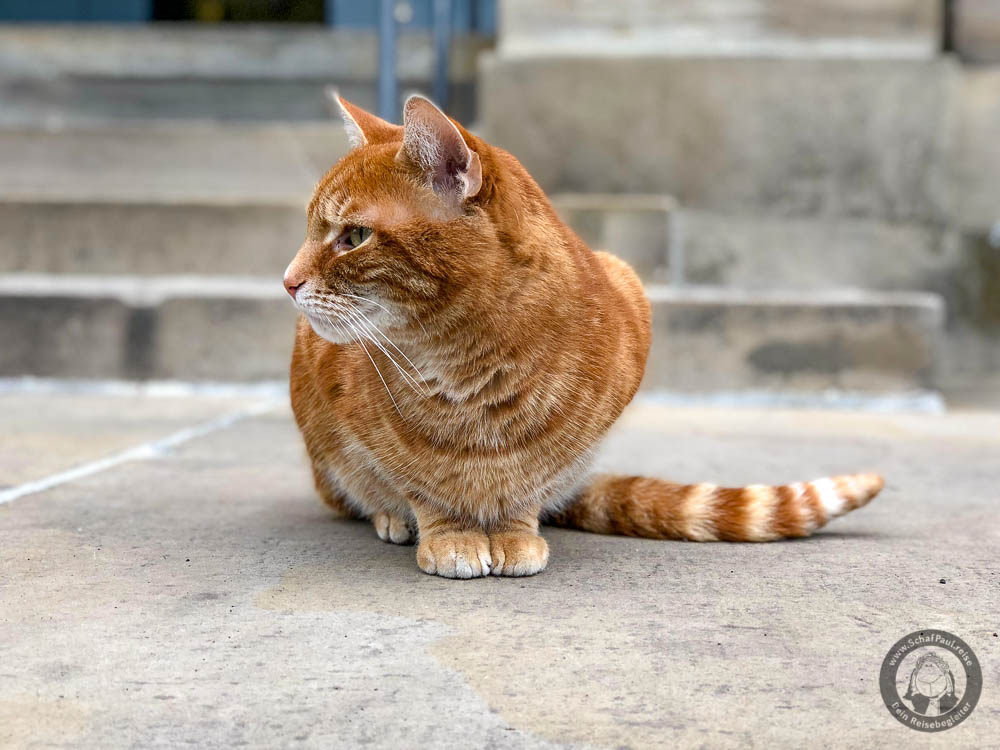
x: 388, y: 89
x: 442, y: 50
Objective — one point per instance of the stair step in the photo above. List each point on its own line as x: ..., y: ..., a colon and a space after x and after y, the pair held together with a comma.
x: 708, y: 339
x: 90, y: 74
x: 639, y: 228
x: 241, y: 329
x: 150, y: 238
x: 720, y: 24
x: 159, y: 231
x: 212, y: 163
x: 756, y: 251
x: 174, y: 327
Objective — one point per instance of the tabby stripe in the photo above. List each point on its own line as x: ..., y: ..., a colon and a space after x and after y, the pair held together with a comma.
x: 698, y: 513
x: 761, y: 503
x: 815, y: 504
x: 791, y: 517
x: 809, y: 519
x: 730, y: 518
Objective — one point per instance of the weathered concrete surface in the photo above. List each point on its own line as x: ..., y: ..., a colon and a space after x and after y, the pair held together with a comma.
x: 975, y: 168
x: 45, y: 433
x: 245, y: 51
x: 219, y: 234
x: 637, y: 228
x: 717, y: 339
x: 98, y: 74
x: 804, y: 19
x: 205, y: 597
x: 191, y: 327
x: 169, y: 162
x: 804, y: 136
x: 231, y: 328
x: 759, y: 251
x: 977, y: 30
x: 129, y: 237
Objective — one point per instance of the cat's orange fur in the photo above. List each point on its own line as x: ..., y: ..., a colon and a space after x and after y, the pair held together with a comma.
x: 454, y: 371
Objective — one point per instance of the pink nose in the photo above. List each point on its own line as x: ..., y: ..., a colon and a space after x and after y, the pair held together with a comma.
x: 292, y: 286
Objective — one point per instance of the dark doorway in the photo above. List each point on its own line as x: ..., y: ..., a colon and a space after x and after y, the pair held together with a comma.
x: 239, y: 11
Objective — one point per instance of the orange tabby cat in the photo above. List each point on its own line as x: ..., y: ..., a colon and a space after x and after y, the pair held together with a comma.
x: 461, y: 353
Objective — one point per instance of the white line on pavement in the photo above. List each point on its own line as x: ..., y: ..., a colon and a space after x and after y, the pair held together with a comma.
x: 138, y: 453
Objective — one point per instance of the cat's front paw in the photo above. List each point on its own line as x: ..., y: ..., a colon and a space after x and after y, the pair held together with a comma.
x: 393, y: 528
x: 455, y: 554
x: 518, y: 553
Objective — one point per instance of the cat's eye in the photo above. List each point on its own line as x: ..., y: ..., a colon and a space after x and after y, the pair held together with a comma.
x: 358, y: 235
x: 351, y: 238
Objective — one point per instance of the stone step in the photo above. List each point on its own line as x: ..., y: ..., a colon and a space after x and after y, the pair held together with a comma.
x: 641, y: 229
x: 174, y: 327
x: 214, y: 216
x: 71, y: 74
x: 961, y: 265
x: 150, y: 238
x: 178, y: 198
x: 627, y: 23
x: 759, y: 251
x: 241, y: 329
x: 710, y: 339
x: 178, y: 162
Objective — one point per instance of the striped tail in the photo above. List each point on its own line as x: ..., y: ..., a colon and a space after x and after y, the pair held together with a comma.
x: 657, y: 509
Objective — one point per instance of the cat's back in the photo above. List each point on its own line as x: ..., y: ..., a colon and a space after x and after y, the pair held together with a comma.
x: 626, y: 282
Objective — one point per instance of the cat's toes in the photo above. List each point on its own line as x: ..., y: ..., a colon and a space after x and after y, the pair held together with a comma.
x: 393, y: 528
x: 518, y: 553
x: 455, y: 554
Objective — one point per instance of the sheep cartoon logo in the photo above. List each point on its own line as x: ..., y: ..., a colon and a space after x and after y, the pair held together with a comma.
x: 931, y: 680
x: 930, y: 691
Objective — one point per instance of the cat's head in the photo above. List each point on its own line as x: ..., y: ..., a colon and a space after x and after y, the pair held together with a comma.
x: 405, y: 221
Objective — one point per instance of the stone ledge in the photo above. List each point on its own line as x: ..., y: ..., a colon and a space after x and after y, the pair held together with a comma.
x: 714, y: 339
x: 224, y: 234
x: 233, y: 329
x: 639, y: 228
x: 230, y: 51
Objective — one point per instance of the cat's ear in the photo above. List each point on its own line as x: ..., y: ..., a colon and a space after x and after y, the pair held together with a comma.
x: 433, y: 143
x: 362, y: 127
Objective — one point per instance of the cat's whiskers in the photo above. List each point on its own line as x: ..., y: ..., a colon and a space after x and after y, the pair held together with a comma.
x: 373, y: 302
x: 364, y: 299
x: 377, y: 371
x: 367, y: 321
x: 408, y: 379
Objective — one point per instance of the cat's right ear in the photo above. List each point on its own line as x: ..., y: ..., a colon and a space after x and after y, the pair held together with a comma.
x: 362, y: 127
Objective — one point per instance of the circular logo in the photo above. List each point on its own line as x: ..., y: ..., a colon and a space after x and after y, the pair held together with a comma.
x: 931, y: 680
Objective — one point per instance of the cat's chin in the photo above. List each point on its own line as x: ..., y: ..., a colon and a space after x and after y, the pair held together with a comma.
x: 326, y: 331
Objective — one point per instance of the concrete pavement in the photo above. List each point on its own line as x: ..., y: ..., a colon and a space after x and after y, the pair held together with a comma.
x: 199, y: 594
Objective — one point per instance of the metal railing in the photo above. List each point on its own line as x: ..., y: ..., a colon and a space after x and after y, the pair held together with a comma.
x: 388, y: 83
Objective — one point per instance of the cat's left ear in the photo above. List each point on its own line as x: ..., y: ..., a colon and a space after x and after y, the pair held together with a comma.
x: 433, y: 143
x: 362, y: 127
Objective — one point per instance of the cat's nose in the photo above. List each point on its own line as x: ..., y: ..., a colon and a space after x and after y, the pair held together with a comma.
x: 292, y: 284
